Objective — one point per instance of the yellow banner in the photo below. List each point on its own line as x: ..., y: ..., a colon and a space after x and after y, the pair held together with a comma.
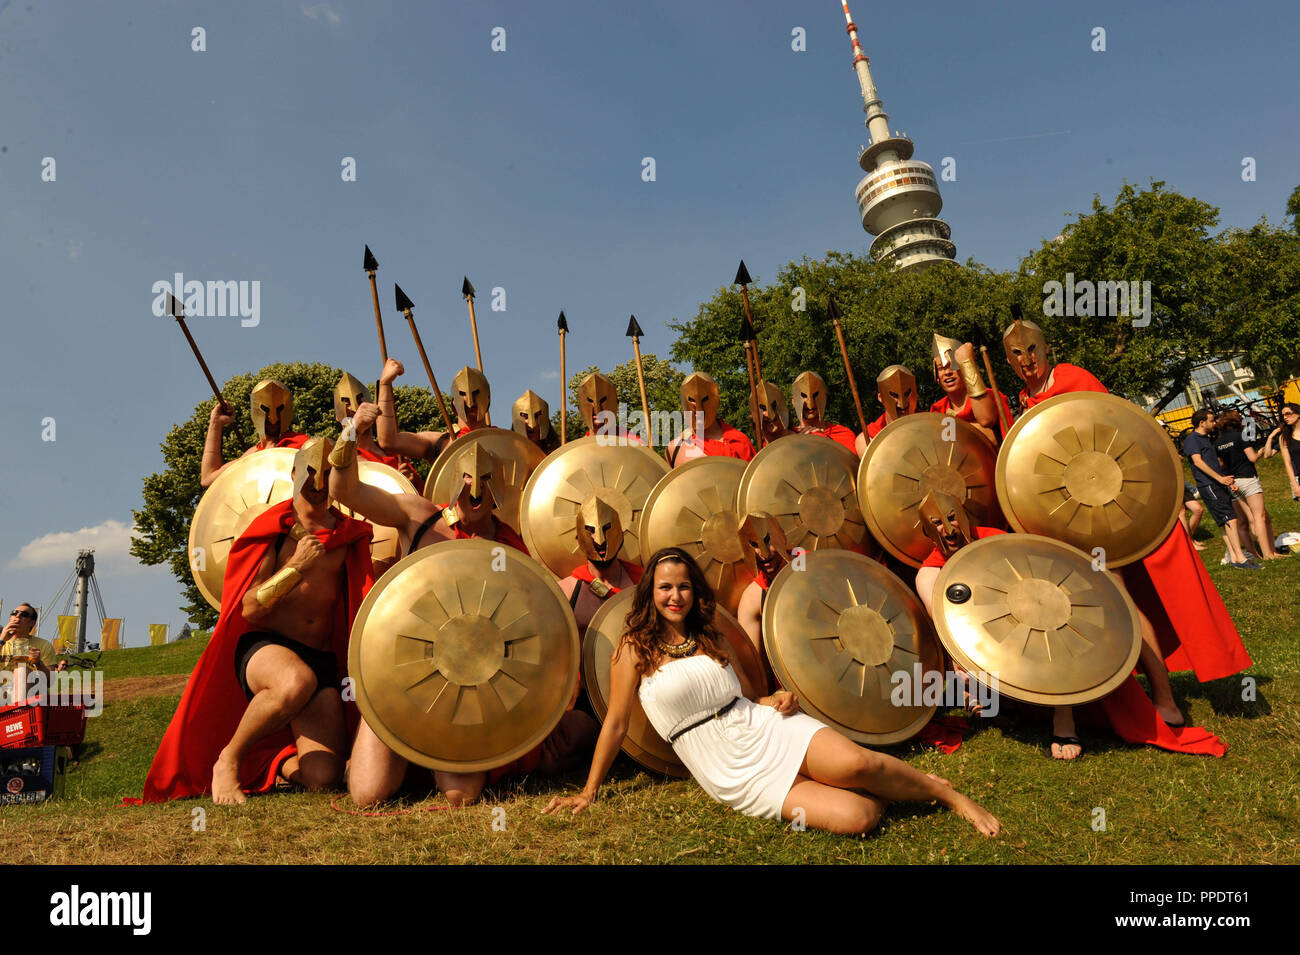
x: 110, y: 634
x: 67, y: 638
x: 157, y: 634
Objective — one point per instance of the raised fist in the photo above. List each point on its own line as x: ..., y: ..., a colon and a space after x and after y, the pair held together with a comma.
x: 220, y: 416
x: 309, y: 551
x: 392, y: 370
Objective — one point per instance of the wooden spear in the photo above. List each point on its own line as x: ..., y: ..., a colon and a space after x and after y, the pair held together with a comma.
x: 749, y: 337
x: 467, y: 290
x: 404, y: 305
x: 833, y: 310
x: 634, y: 332
x: 371, y: 266
x: 178, y: 312
x: 562, y: 324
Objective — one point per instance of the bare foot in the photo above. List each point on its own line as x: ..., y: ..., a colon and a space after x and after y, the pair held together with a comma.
x: 1171, y: 714
x: 1066, y: 751
x: 225, y: 782
x: 975, y: 814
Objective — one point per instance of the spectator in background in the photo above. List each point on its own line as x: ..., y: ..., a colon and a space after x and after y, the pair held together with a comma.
x: 1192, y: 512
x: 1239, y: 457
x: 18, y: 645
x: 1285, y: 440
x: 1215, y: 486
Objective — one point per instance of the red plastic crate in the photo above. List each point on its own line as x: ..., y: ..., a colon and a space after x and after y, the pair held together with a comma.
x: 31, y: 725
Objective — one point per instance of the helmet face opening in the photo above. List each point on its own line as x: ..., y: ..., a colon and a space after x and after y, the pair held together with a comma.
x: 1026, y: 349
x: 896, y: 388
x: 477, y: 466
x: 311, y: 469
x: 272, y: 409
x: 808, y: 395
x: 472, y: 395
x: 599, y: 530
x: 763, y: 544
x: 945, y: 520
x: 770, y: 405
x: 700, y: 401
x: 596, y: 397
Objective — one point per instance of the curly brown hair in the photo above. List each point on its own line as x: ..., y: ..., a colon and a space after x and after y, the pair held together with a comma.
x: 645, y: 627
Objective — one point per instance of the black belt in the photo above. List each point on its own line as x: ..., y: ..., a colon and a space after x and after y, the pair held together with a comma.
x: 718, y: 715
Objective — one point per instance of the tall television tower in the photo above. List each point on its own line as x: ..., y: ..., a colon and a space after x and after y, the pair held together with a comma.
x: 898, y: 197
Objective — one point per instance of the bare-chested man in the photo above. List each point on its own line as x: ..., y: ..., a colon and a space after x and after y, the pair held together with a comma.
x: 294, y: 581
x: 272, y: 413
x: 375, y: 771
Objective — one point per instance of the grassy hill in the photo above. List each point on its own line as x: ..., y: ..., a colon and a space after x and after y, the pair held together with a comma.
x: 1159, y: 807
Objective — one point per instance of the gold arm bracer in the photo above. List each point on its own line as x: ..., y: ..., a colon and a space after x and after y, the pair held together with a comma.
x: 284, y: 581
x: 970, y: 374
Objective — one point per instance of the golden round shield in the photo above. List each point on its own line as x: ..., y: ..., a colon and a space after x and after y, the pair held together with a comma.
x: 464, y: 656
x: 245, y: 488
x: 807, y: 482
x: 913, y: 456
x: 642, y: 743
x: 385, y: 545
x: 693, y: 507
x: 1033, y: 613
x: 622, y: 475
x: 837, y: 632
x: 1092, y: 470
x: 517, y: 458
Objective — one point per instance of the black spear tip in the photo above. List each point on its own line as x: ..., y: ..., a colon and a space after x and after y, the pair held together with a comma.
x: 832, y: 309
x: 747, y: 333
x: 466, y: 289
x: 633, y: 329
x: 742, y: 275
x: 370, y: 264
x: 174, y: 306
x: 1016, y: 314
x: 403, y: 303
x: 562, y: 323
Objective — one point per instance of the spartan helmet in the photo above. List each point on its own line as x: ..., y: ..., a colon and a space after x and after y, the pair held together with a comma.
x: 944, y: 352
x: 596, y: 394
x: 772, y: 405
x: 311, y: 465
x: 470, y: 392
x: 272, y: 409
x: 896, y: 386
x: 700, y: 396
x: 531, y: 413
x: 762, y: 539
x: 478, y: 464
x: 809, y: 392
x: 946, y: 522
x: 349, y: 393
x: 600, y: 532
x: 1024, y: 341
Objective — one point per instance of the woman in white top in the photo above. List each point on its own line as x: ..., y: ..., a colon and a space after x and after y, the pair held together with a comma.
x: 762, y: 757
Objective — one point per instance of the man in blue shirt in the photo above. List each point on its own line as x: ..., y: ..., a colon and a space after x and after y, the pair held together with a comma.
x: 1216, y: 487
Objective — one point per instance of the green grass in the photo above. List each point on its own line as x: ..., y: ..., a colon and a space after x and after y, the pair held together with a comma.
x: 1160, y: 807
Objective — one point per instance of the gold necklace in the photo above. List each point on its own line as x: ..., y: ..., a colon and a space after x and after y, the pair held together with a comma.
x: 678, y: 650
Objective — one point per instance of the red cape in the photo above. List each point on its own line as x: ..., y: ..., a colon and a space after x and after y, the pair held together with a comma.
x: 732, y: 444
x: 875, y: 427
x: 213, y: 704
x: 583, y: 572
x: 290, y: 439
x: 837, y: 432
x: 967, y: 413
x: 392, y: 460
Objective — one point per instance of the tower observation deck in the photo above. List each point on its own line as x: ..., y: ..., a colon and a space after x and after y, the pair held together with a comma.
x: 898, y: 198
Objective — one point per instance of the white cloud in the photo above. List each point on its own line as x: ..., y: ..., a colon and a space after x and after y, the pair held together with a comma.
x: 110, y: 540
x: 322, y: 11
x: 550, y: 375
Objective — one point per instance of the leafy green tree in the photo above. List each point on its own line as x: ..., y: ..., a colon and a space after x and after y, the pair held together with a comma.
x: 1260, y: 279
x: 663, y: 386
x: 1293, y: 209
x: 162, y: 525
x: 1149, y: 235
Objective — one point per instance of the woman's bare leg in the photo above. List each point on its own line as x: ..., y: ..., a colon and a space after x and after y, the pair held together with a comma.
x: 843, y: 811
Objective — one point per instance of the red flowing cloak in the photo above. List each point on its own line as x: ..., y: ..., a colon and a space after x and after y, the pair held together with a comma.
x: 1130, y: 711
x: 584, y: 573
x: 505, y: 533
x: 875, y: 427
x: 392, y: 460
x: 967, y: 412
x: 290, y: 439
x: 837, y: 432
x: 213, y: 704
x: 732, y: 444
x: 1171, y: 585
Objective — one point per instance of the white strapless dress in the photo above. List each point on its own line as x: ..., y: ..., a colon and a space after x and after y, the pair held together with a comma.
x: 748, y: 758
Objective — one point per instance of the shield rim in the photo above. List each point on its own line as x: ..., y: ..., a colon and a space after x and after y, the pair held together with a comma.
x: 950, y: 644
x: 1004, y: 497
x: 864, y: 504
x: 457, y: 445
x: 787, y: 682
x: 362, y: 697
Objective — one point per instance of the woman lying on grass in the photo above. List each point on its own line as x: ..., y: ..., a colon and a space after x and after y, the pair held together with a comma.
x: 763, y: 758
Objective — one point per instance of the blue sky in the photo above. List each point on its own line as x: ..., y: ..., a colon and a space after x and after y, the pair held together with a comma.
x: 522, y: 169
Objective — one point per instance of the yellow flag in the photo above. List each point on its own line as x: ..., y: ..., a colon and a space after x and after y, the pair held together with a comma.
x: 157, y: 634
x: 109, y: 635
x: 67, y: 638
